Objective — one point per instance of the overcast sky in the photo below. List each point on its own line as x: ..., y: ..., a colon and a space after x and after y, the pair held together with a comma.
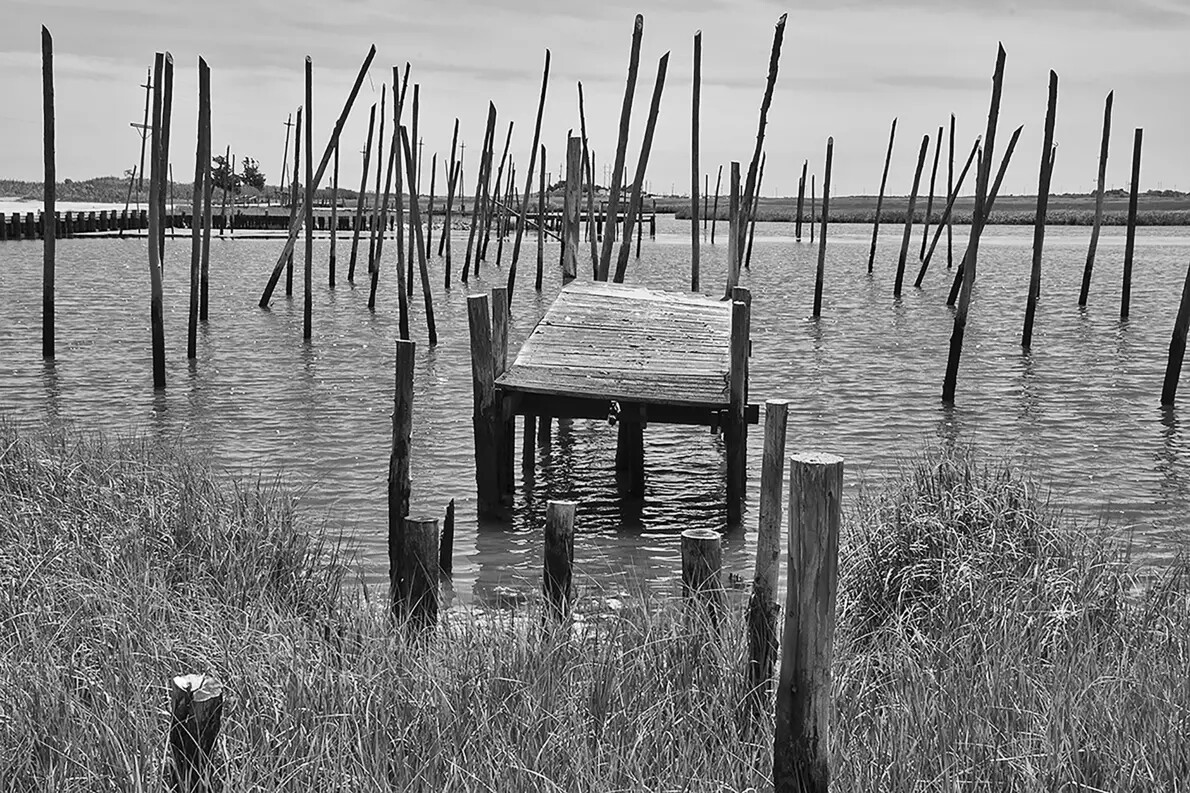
x: 847, y: 69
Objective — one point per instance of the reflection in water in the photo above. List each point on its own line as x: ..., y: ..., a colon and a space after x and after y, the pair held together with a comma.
x: 1169, y: 458
x: 52, y: 391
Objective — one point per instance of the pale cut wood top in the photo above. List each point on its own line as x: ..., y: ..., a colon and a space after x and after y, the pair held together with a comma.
x: 630, y: 344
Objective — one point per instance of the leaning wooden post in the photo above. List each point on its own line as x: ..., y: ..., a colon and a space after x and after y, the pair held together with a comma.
x: 557, y: 574
x: 751, y: 193
x: 202, y: 159
x: 762, y: 605
x: 204, y: 273
x: 944, y: 221
x: 826, y: 201
x: 950, y: 192
x: 520, y: 229
x: 156, y: 304
x: 1043, y: 194
x: 381, y: 170
x: 399, y: 481
x: 481, y: 188
x: 715, y: 206
x: 801, y: 742
x: 1177, y: 346
x: 540, y: 222
x: 892, y: 135
x: 49, y: 218
x: 921, y: 159
x: 736, y: 431
x: 925, y: 229
x: 613, y: 196
x: 419, y: 243
x: 701, y: 565
x: 291, y: 239
x: 419, y: 570
x: 801, y: 197
x: 1086, y: 287
x: 1130, y: 240
x: 485, y: 417
x: 358, y: 222
x: 752, y: 220
x: 977, y: 222
x: 308, y: 284
x: 446, y: 543
x: 456, y: 186
x: 696, y: 89
x: 196, y: 713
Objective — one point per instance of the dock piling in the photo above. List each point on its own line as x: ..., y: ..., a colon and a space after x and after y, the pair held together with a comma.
x: 1043, y: 190
x: 195, y: 716
x: 736, y: 427
x: 419, y: 571
x: 1130, y: 240
x: 49, y: 216
x: 399, y: 481
x: 826, y: 199
x: 702, y: 561
x: 696, y: 90
x: 892, y: 135
x: 202, y: 170
x: 557, y: 573
x: 1086, y: 285
x: 921, y: 159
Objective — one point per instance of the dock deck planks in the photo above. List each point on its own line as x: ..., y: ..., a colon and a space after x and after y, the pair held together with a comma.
x: 630, y: 344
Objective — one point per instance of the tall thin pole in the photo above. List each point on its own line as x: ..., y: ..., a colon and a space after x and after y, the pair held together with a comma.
x: 156, y: 307
x: 826, y: 204
x: 925, y: 231
x: 1130, y: 240
x: 801, y: 197
x: 48, y: 216
x: 167, y: 103
x: 694, y: 241
x: 202, y: 159
x: 950, y: 190
x: 1043, y: 190
x: 520, y: 230
x: 334, y: 216
x: 613, y: 198
x: 879, y: 198
x: 361, y: 197
x: 1086, y: 287
x: 308, y: 284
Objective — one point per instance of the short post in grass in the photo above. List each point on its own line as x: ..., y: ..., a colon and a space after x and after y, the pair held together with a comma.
x: 559, y: 558
x: 399, y: 482
x: 801, y: 744
x: 419, y: 571
x: 762, y: 606
x: 196, y: 712
x: 702, y: 559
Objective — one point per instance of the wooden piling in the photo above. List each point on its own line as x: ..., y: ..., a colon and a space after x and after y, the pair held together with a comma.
x: 944, y: 221
x: 202, y: 170
x: 540, y: 221
x: 696, y: 89
x: 1177, y: 346
x: 750, y: 193
x: 763, y: 609
x: 505, y: 452
x: 443, y: 239
x: 557, y: 573
x: 399, y: 480
x: 921, y: 159
x: 950, y: 191
x: 402, y: 290
x: 892, y: 135
x: 752, y: 220
x: 195, y: 716
x: 308, y: 284
x: 204, y: 273
x: 733, y: 219
x: 419, y: 576
x: 642, y: 163
x: 294, y: 207
x: 361, y: 198
x: 589, y: 166
x: 925, y: 229
x: 419, y: 244
x: 456, y: 181
x: 291, y: 238
x: 1043, y: 191
x: 826, y: 200
x: 736, y: 429
x: 715, y: 206
x: 802, y: 737
x: 613, y: 197
x: 376, y: 250
x: 447, y: 542
x: 702, y: 561
x: 156, y: 304
x: 573, y: 210
x: 430, y: 212
x: 486, y: 420
x: 520, y: 229
x: 481, y: 189
x: 801, y: 195
x: 49, y: 217
x: 813, y: 209
x: 491, y: 214
x: 977, y: 223
x: 1130, y: 240
x: 227, y: 188
x: 414, y: 185
x: 167, y: 104
x: 1086, y: 285
x: 381, y: 170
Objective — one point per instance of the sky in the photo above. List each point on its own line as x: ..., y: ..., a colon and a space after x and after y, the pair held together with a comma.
x: 848, y: 67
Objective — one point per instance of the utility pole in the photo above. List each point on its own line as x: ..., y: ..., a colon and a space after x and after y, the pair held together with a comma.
x: 285, y: 158
x: 143, y: 128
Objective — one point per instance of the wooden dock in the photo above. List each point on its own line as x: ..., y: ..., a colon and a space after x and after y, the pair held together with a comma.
x: 624, y: 354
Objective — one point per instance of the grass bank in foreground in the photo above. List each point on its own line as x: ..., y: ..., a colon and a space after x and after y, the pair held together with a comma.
x: 980, y: 646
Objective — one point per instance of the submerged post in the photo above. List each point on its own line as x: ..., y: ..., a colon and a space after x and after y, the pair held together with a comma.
x: 1043, y: 191
x: 49, y: 215
x: 1130, y: 241
x: 195, y: 715
x: 892, y: 135
x: 921, y: 159
x: 202, y: 160
x: 801, y: 743
x: 762, y: 606
x: 826, y: 200
x: 559, y: 557
x: 1086, y: 287
x: 156, y: 300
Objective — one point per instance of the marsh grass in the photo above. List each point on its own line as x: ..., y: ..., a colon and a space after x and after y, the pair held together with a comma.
x: 981, y: 645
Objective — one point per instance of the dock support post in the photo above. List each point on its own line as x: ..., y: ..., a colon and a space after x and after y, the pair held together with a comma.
x: 571, y: 208
x: 559, y: 558
x: 803, y: 713
x: 486, y: 420
x: 630, y: 451
x: 196, y: 712
x: 399, y: 481
x: 736, y: 428
x: 701, y: 562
